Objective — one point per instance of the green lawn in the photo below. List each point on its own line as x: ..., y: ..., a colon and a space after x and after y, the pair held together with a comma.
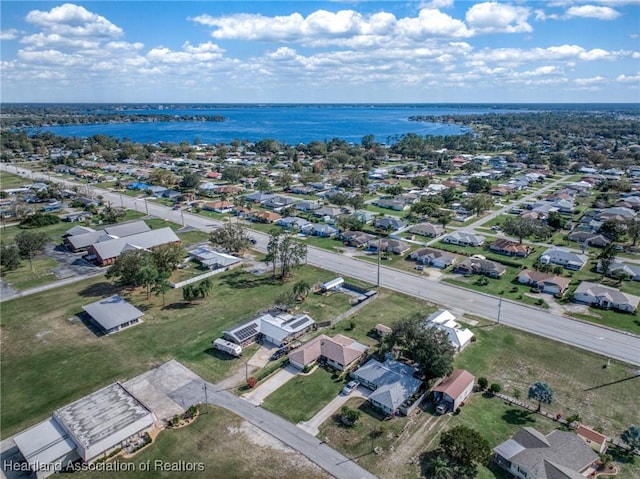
x: 612, y: 319
x: 358, y: 441
x: 216, y: 440
x: 25, y: 277
x: 303, y: 396
x: 502, y: 287
x: 42, y: 350
x: 9, y: 180
x: 603, y: 396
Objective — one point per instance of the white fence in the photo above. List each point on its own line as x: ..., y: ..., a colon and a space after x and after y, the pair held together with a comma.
x: 197, y: 278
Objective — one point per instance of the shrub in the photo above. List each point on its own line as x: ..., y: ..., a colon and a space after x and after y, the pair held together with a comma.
x: 495, y: 388
x: 251, y: 382
x: 483, y: 383
x: 39, y: 220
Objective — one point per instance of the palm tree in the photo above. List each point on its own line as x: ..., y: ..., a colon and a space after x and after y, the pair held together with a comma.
x: 439, y: 468
x: 301, y: 290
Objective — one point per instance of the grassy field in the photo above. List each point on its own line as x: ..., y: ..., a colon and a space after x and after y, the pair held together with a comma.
x: 302, y: 397
x: 220, y: 441
x: 48, y: 361
x: 357, y: 442
x: 25, y: 277
x: 603, y: 396
x: 9, y: 180
x: 500, y: 287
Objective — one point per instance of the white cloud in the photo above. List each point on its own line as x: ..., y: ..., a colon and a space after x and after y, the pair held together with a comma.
x: 565, y: 53
x: 593, y: 11
x: 73, y: 20
x: 590, y: 81
x: 633, y: 79
x: 430, y: 23
x: 493, y: 17
x: 437, y: 4
x: 10, y: 34
x: 190, y: 54
x: 54, y: 40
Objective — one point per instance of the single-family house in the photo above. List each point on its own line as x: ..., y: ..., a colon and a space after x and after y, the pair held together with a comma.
x: 564, y: 257
x: 365, y: 216
x: 78, y: 230
x: 510, y: 248
x: 632, y: 271
x: 529, y: 454
x: 434, y: 257
x: 340, y: 352
x: 321, y: 230
x: 445, y: 321
x: 453, y: 390
x: 605, y: 297
x: 356, y: 238
x: 293, y: 222
x: 594, y: 439
x: 307, y: 206
x: 427, y: 229
x: 278, y: 330
x: 545, y: 282
x: 265, y: 216
x: 391, y: 204
x: 388, y: 245
x: 258, y: 197
x: 464, y: 238
x: 222, y: 206
x: 327, y: 212
x: 277, y: 202
x: 392, y: 383
x: 475, y: 265
x: 589, y: 239
x: 389, y: 223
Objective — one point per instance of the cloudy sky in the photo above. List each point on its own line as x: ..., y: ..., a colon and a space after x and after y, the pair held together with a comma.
x: 331, y: 51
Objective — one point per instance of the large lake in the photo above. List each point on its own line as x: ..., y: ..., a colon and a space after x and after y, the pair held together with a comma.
x: 300, y: 123
x: 291, y: 124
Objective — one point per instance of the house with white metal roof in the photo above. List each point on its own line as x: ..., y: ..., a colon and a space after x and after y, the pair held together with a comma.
x: 113, y: 314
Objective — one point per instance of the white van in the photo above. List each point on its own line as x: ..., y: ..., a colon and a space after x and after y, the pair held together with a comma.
x: 228, y: 347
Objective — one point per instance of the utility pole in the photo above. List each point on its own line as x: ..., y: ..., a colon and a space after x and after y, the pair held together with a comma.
x: 378, y: 282
x: 206, y: 401
x: 499, y: 309
x: 146, y: 205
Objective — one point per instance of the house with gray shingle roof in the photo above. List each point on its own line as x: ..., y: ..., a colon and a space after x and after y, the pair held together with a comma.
x: 564, y: 257
x: 392, y: 383
x: 605, y: 297
x: 529, y: 454
x: 464, y: 238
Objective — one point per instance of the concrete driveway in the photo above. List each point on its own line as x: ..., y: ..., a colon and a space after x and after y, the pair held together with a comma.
x: 257, y: 396
x: 312, y: 425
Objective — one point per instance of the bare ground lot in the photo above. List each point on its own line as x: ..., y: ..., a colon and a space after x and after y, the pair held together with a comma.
x: 226, y: 446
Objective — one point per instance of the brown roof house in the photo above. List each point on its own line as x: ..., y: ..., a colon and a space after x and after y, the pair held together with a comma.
x: 475, y: 265
x: 265, y: 216
x: 510, y: 248
x: 454, y: 389
x: 529, y: 454
x: 340, y: 352
x: 545, y: 282
x: 595, y: 440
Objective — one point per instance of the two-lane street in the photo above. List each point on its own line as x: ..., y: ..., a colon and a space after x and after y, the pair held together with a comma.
x: 607, y: 342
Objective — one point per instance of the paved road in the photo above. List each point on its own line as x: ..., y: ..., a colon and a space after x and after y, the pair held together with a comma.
x: 609, y: 343
x: 324, y: 456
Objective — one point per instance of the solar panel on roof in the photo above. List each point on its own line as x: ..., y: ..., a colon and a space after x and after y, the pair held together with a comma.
x: 298, y: 323
x: 246, y: 332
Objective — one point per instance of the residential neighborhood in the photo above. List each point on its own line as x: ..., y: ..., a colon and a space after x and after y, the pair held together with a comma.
x: 361, y: 299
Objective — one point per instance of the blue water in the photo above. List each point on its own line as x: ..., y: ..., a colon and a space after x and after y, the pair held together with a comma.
x: 298, y: 123
x: 290, y: 124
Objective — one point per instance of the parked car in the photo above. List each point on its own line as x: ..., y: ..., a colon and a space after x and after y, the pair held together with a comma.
x: 442, y: 407
x: 419, y: 267
x: 351, y: 385
x: 279, y: 353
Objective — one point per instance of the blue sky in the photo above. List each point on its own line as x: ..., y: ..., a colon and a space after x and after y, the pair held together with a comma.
x: 336, y: 51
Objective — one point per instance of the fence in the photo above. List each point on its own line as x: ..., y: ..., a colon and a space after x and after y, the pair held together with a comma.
x: 353, y: 310
x: 180, y: 284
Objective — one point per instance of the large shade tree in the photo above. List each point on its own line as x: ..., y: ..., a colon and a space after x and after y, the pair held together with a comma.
x: 429, y: 347
x: 541, y: 391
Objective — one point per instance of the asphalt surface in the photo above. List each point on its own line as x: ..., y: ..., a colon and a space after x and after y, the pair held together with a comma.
x: 316, y: 450
x: 606, y: 342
